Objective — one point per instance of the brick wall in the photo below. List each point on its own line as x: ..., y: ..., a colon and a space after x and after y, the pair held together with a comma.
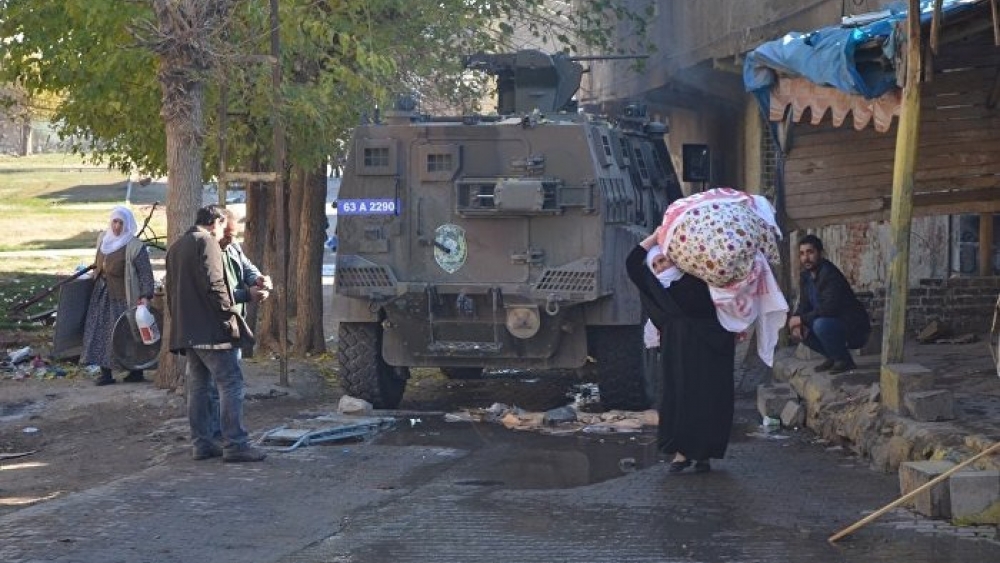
x: 963, y: 304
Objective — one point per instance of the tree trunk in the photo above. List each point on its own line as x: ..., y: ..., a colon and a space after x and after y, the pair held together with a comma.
x: 183, y: 101
x: 184, y: 37
x: 268, y: 321
x: 255, y: 237
x: 299, y: 183
x: 309, y: 337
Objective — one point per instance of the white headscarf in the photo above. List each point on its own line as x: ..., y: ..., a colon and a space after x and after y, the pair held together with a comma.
x: 130, y: 228
x: 650, y: 335
x: 666, y: 277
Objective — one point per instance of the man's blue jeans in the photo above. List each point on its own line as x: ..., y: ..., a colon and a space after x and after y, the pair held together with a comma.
x: 220, y: 369
x: 213, y: 401
x: 828, y: 336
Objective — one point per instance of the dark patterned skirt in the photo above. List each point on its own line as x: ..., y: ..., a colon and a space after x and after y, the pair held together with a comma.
x: 102, y: 314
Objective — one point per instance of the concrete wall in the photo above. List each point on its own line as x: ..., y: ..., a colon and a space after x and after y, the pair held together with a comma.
x: 963, y: 305
x: 688, y: 33
x: 861, y: 251
x: 721, y: 131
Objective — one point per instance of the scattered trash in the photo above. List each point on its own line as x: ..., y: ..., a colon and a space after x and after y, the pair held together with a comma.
x: 627, y: 464
x: 583, y: 395
x: 458, y: 417
x: 770, y: 424
x: 563, y: 420
x: 768, y: 436
x: 414, y: 422
x: 18, y: 356
x: 14, y: 455
x: 29, y: 430
x: 326, y: 428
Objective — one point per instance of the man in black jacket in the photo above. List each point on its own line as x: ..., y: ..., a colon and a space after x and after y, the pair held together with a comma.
x: 207, y: 331
x: 829, y: 318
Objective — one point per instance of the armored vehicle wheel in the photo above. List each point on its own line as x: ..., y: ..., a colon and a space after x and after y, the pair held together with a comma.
x: 621, y: 365
x: 462, y: 373
x: 363, y: 372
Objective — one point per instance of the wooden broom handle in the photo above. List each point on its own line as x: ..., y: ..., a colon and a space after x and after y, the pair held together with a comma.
x: 911, y: 494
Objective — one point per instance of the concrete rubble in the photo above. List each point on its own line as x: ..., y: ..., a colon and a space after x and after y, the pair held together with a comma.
x: 918, y: 418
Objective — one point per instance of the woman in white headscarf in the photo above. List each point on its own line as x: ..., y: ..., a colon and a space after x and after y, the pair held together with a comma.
x: 696, y: 369
x: 666, y: 273
x: 123, y: 278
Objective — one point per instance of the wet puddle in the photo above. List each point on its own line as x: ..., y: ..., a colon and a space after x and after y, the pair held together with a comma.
x: 19, y: 410
x: 528, y: 460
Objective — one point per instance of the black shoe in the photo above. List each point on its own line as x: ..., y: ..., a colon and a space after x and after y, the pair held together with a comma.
x: 827, y: 364
x: 678, y: 466
x: 244, y: 454
x: 134, y: 377
x: 841, y: 366
x: 205, y: 452
x: 702, y: 466
x: 104, y: 380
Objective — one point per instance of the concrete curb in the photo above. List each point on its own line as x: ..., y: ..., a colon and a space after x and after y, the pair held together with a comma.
x: 846, y: 409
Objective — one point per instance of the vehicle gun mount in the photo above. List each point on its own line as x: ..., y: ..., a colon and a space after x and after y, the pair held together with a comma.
x: 530, y: 79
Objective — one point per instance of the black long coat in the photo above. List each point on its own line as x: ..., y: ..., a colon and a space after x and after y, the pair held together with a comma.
x: 198, y: 297
x: 696, y: 408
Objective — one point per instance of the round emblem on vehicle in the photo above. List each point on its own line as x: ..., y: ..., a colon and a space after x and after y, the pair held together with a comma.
x: 450, y: 248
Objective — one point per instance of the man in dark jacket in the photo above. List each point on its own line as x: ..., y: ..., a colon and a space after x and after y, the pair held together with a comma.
x: 207, y: 331
x: 829, y: 318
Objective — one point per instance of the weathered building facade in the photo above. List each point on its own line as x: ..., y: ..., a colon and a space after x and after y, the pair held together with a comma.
x: 829, y: 172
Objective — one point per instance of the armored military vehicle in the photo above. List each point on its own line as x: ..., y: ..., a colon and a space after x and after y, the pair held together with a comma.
x: 499, y: 241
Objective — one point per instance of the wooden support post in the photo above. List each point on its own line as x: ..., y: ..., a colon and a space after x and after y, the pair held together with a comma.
x: 985, y: 244
x: 936, y: 26
x: 901, y: 213
x: 222, y: 185
x: 996, y: 21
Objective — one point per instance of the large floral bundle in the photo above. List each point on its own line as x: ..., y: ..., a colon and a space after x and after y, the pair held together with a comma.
x: 727, y: 238
x: 716, y: 235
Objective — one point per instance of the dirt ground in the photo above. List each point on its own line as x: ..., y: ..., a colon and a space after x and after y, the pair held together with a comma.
x: 75, y: 435
x: 79, y: 435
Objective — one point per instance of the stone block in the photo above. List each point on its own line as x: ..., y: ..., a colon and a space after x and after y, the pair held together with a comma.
x: 804, y: 352
x: 933, y: 502
x: 771, y: 398
x: 354, y: 405
x: 793, y: 415
x: 874, y: 345
x: 934, y: 330
x: 972, y: 492
x: 930, y: 406
x: 896, y: 380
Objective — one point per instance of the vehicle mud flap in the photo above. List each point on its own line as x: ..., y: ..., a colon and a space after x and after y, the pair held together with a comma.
x: 621, y: 365
x: 363, y: 372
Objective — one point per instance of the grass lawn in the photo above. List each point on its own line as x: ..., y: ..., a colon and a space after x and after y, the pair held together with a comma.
x: 57, y: 202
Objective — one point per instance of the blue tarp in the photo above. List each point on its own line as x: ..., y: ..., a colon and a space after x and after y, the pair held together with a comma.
x: 827, y: 56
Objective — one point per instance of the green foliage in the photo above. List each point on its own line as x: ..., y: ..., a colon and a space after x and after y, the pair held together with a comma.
x: 340, y: 60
